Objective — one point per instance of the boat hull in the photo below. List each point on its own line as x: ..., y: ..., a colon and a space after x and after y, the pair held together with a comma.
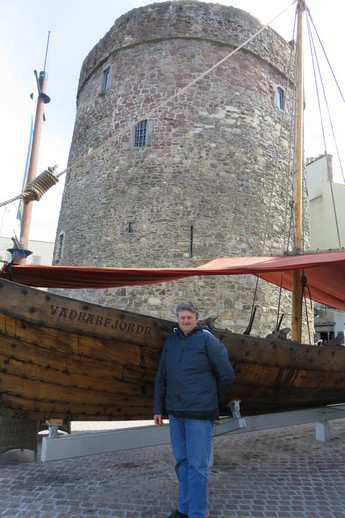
x: 67, y: 359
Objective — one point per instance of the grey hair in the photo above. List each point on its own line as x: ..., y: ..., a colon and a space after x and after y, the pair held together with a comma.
x: 187, y: 306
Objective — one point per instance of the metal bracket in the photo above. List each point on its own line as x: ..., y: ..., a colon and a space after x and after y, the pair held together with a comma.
x: 234, y: 406
x: 53, y: 427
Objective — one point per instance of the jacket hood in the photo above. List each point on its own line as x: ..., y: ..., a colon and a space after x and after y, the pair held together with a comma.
x: 195, y: 328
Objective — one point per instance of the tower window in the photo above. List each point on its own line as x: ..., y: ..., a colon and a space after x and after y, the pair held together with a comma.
x: 127, y: 228
x: 280, y: 99
x: 106, y: 80
x: 191, y: 232
x: 140, y: 135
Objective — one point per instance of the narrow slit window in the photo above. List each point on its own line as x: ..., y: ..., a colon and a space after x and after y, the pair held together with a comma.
x: 127, y: 227
x: 280, y: 99
x: 106, y: 80
x: 140, y: 136
x: 191, y: 230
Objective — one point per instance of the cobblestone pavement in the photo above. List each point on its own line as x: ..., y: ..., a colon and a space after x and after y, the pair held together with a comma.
x: 281, y: 473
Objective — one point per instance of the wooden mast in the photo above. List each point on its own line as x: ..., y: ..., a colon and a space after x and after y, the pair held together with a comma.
x: 297, y: 288
x: 32, y: 169
x: 42, y: 99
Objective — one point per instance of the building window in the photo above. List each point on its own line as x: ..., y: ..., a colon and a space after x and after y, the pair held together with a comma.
x: 105, y: 80
x: 140, y: 135
x: 280, y: 96
x: 36, y: 259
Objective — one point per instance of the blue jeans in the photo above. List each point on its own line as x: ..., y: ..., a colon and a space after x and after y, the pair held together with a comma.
x: 191, y: 445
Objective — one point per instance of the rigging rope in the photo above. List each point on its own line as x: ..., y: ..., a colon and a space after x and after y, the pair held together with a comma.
x: 305, y: 299
x: 314, y: 60
x: 316, y: 67
x: 38, y: 187
x: 43, y: 182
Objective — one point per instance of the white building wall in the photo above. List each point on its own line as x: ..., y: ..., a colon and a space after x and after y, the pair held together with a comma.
x: 327, y: 206
x: 327, y: 229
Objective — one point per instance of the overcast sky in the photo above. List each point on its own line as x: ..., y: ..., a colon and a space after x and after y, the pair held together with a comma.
x: 75, y: 27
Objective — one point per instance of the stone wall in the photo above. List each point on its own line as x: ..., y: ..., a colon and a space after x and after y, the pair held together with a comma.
x: 207, y: 184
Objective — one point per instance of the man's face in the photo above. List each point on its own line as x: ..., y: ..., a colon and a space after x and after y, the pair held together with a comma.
x: 186, y: 320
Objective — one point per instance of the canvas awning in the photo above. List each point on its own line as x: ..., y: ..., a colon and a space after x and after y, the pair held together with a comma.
x: 324, y: 272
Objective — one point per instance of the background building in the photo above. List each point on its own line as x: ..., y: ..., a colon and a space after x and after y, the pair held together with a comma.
x: 327, y: 231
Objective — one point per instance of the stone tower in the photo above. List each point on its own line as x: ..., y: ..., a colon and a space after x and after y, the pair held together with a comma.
x: 189, y: 168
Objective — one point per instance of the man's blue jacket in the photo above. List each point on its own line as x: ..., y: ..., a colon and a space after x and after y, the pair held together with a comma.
x: 193, y: 373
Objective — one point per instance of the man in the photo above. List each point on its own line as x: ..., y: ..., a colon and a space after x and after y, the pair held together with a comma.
x: 193, y: 373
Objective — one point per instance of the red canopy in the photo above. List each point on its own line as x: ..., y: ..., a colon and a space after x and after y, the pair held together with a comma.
x: 324, y: 272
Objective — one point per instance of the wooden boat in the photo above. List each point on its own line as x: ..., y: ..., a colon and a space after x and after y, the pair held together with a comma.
x: 68, y: 359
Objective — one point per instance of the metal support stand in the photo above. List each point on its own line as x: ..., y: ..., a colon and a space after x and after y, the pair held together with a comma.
x: 320, y: 416
x: 53, y: 431
x: 322, y: 431
x: 233, y: 425
x: 235, y: 409
x: 77, y: 445
x: 53, y: 427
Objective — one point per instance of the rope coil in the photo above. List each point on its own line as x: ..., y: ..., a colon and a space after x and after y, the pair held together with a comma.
x: 40, y: 185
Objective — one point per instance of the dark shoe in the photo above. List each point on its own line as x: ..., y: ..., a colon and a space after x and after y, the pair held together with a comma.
x: 177, y: 514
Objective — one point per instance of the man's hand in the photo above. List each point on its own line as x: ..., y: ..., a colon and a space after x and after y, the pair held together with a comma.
x: 158, y: 420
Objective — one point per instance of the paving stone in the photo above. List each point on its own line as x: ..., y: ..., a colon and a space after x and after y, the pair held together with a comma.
x: 281, y: 473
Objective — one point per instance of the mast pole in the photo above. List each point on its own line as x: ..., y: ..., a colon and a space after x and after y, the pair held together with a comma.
x: 297, y: 288
x: 32, y: 168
